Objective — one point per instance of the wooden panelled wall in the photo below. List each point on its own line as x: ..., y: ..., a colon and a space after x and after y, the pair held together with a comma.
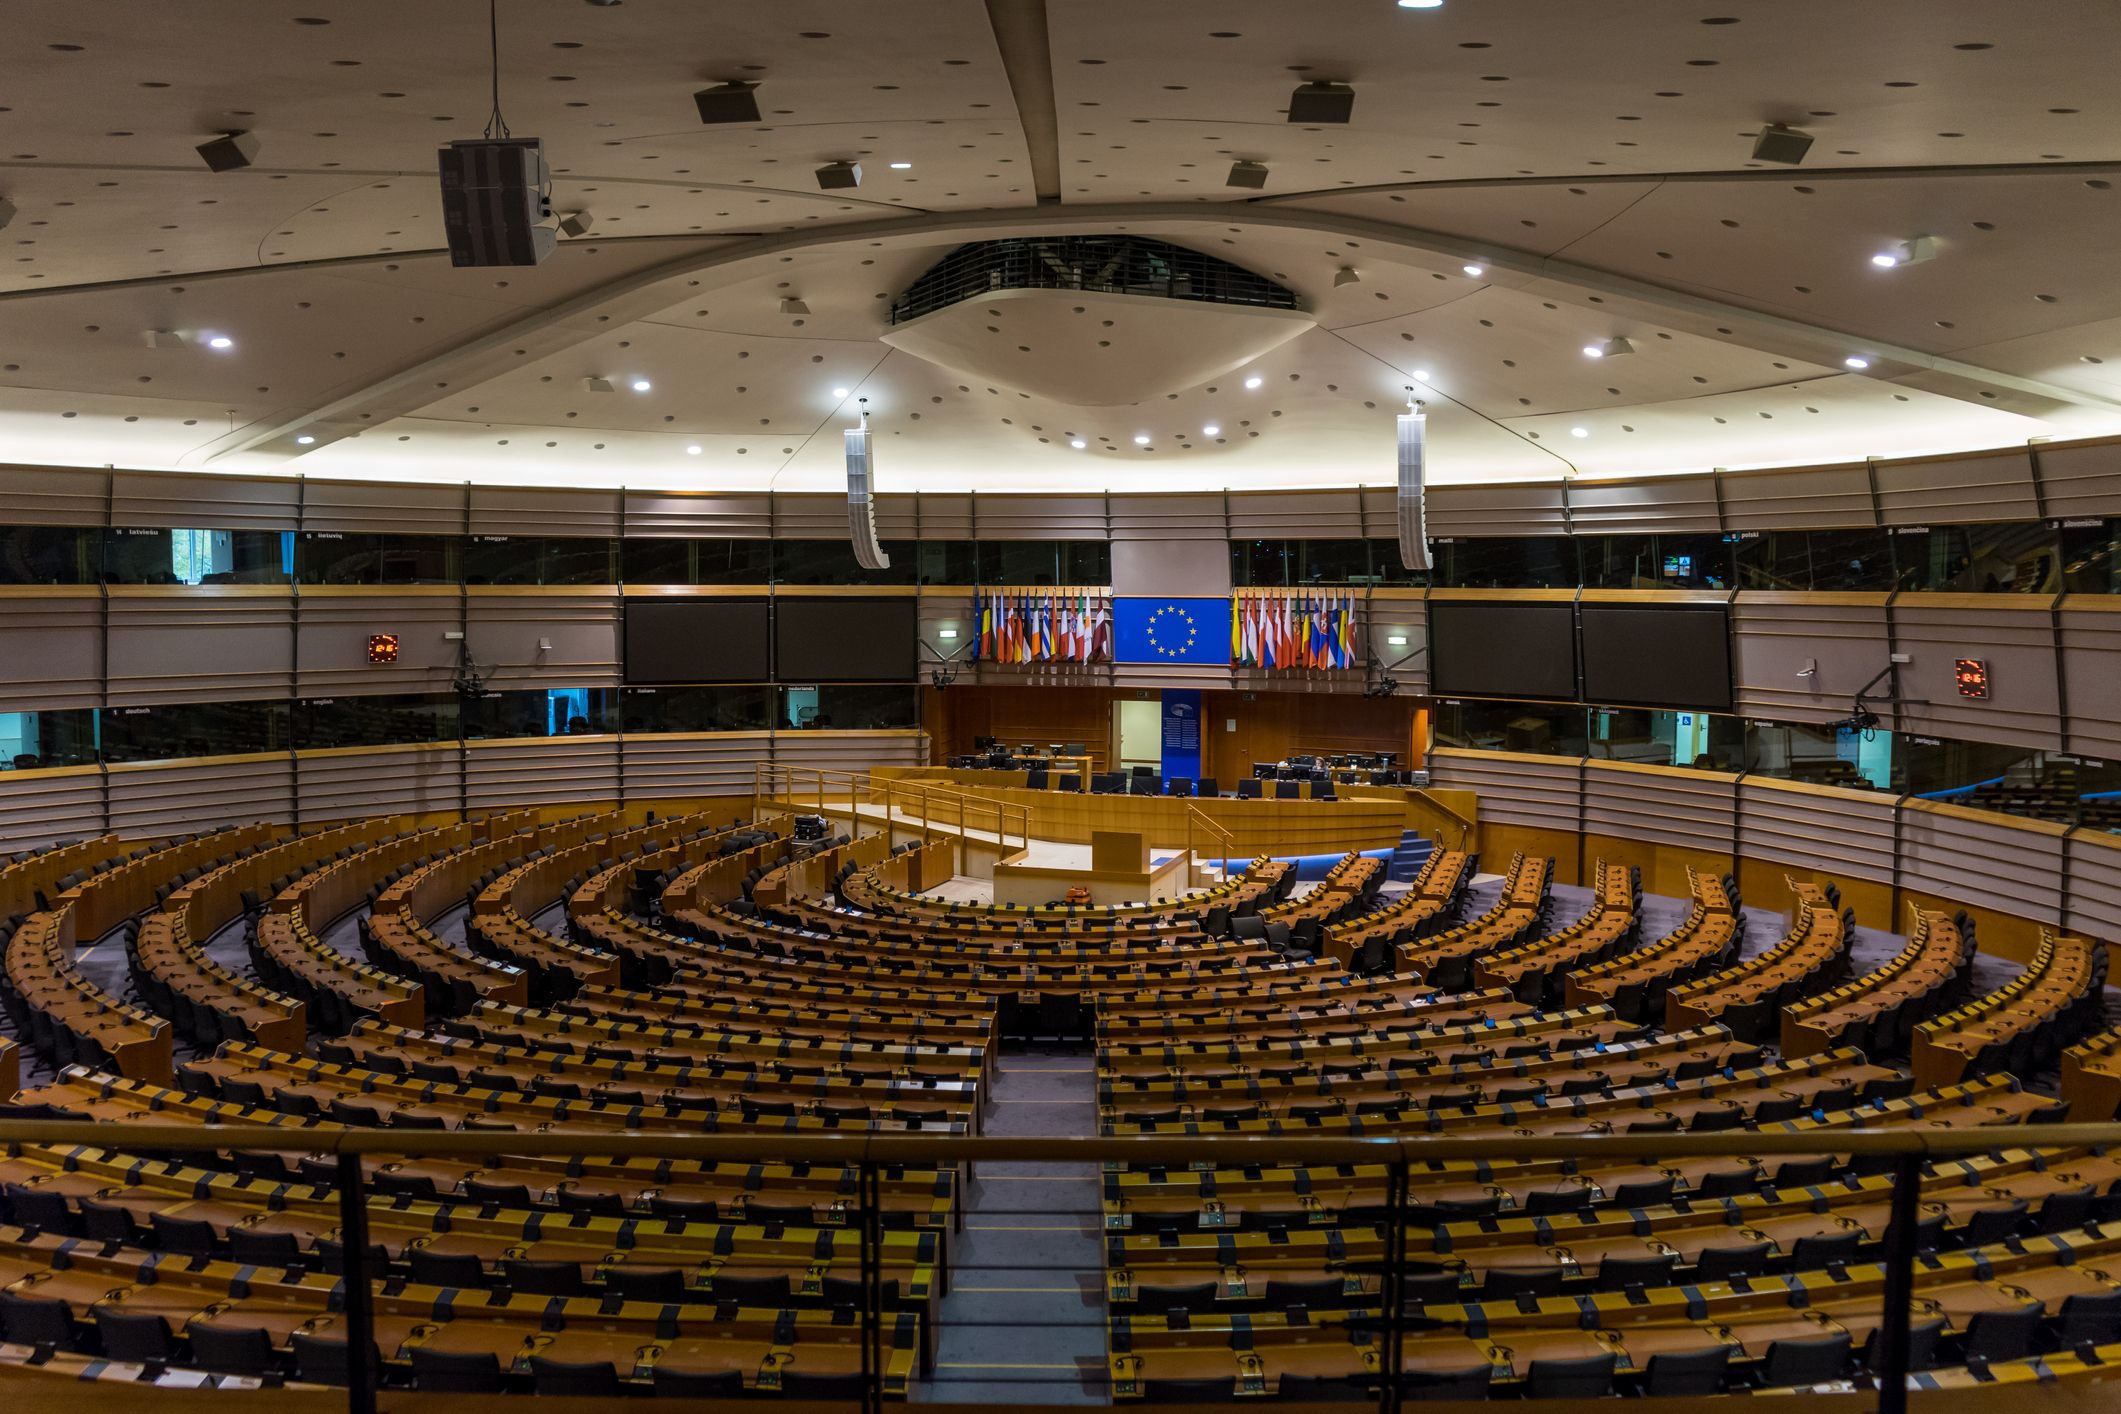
x: 1268, y: 725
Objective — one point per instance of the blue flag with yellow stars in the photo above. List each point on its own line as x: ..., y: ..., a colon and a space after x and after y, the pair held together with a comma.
x: 1151, y: 630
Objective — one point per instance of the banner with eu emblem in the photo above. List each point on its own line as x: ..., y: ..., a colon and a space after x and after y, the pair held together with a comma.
x: 1153, y: 630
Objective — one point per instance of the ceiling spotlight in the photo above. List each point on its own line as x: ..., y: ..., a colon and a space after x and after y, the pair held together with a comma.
x: 839, y: 176
x: 229, y: 152
x: 728, y: 103
x: 1254, y: 381
x: 576, y: 223
x: 839, y: 392
x: 1141, y: 439
x: 794, y: 306
x: 1611, y: 348
x: 1579, y: 431
x: 900, y: 166
x: 304, y: 440
x: 1856, y: 361
x: 1211, y: 430
x: 1476, y: 271
x: 1322, y: 102
x: 641, y: 385
x: 220, y: 341
x: 1421, y: 375
x: 1077, y: 443
x: 1912, y: 252
x: 1778, y: 143
x: 1421, y: 4
x: 595, y: 384
x: 693, y: 450
x: 1247, y: 174
x: 1346, y: 276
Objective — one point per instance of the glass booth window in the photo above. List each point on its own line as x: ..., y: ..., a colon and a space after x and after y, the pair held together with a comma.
x: 163, y: 733
x: 1700, y: 741
x: 323, y: 723
x: 1979, y: 559
x: 1387, y: 568
x: 330, y: 557
x: 1528, y: 728
x: 1823, y: 755
x: 833, y: 562
x: 136, y: 556
x: 540, y: 712
x: 850, y: 707
x: 1506, y: 562
x: 532, y: 559
x: 2091, y: 556
x: 32, y: 741
x: 46, y: 554
x: 742, y: 708
x: 1655, y: 561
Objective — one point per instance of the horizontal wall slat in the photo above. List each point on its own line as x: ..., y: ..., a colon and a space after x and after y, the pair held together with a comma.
x: 1814, y: 498
x: 1669, y: 504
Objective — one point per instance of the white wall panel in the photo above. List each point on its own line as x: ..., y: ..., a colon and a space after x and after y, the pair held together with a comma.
x: 701, y: 764
x: 209, y: 643
x: 43, y: 495
x: 519, y: 510
x: 2094, y: 861
x: 1849, y: 832
x: 382, y: 508
x: 39, y: 808
x: 2013, y: 635
x: 2091, y: 673
x: 204, y: 500
x: 1296, y: 515
x: 1776, y: 636
x: 378, y: 780
x: 51, y: 642
x: 332, y: 647
x: 1812, y: 498
x: 172, y: 797
x: 1973, y: 857
x: 675, y: 513
x: 1643, y: 803
x: 1985, y: 486
x: 1531, y: 509
x: 2080, y: 480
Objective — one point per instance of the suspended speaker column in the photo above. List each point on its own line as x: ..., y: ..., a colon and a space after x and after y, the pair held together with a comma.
x: 861, y: 504
x: 1413, y: 529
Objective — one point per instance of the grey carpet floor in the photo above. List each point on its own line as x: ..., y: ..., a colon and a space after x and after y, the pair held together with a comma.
x: 1023, y: 1322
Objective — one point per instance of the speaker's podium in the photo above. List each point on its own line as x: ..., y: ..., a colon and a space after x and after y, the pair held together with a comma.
x: 1117, y: 866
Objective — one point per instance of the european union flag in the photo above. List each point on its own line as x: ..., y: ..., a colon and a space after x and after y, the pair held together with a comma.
x: 1171, y: 631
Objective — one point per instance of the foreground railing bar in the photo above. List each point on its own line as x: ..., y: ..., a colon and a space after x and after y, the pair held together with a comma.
x: 1897, y: 1316
x: 917, y: 1150
x: 354, y: 1279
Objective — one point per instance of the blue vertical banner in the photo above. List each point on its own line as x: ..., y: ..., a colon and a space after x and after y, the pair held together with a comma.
x: 1181, y: 733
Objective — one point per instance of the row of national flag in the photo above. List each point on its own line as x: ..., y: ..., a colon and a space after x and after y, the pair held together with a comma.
x: 1044, y: 626
x: 1293, y: 629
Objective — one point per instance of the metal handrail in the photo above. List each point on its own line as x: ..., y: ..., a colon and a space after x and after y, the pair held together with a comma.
x: 862, y: 787
x: 1229, y: 843
x: 1402, y: 1157
x: 1465, y: 823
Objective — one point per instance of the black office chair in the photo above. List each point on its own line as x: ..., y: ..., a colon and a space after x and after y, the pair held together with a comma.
x: 1141, y: 785
x: 595, y: 1378
x: 1288, y: 790
x: 1815, y: 1360
x: 1178, y: 785
x: 1248, y: 789
x: 1428, y: 1386
x: 698, y: 1384
x: 134, y: 1338
x: 39, y: 1320
x: 462, y: 1270
x: 663, y: 1285
x: 1588, y: 1378
x: 232, y: 1350
x: 456, y: 1371
x: 1071, y: 783
x: 1206, y: 788
x: 1691, y: 1372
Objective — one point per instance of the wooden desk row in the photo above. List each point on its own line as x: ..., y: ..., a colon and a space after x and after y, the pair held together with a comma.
x: 1748, y: 997
x: 2023, y: 1024
x: 1878, y: 1010
x: 1534, y: 972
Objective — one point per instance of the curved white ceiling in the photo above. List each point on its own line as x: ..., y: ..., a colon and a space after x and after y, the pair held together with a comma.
x: 1593, y: 160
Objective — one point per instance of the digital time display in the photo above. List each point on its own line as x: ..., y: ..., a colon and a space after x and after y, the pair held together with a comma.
x: 1971, y: 674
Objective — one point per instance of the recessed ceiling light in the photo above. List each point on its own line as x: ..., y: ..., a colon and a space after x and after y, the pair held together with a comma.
x: 1421, y: 375
x: 900, y: 166
x: 1254, y: 381
x: 642, y: 385
x: 1077, y: 443
x: 304, y: 440
x: 1610, y: 348
x: 1857, y: 361
x: 1579, y: 431
x: 693, y: 450
x: 220, y: 341
x: 1476, y: 271
x: 1421, y: 4
x: 839, y: 392
x: 1912, y: 252
x: 1211, y: 430
x: 1141, y: 439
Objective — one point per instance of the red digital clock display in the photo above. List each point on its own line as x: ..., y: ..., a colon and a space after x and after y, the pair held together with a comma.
x: 1972, y: 676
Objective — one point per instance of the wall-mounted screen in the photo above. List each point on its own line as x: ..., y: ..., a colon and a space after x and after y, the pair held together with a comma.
x: 1479, y: 649
x: 697, y: 640
x: 1657, y: 655
x: 845, y: 640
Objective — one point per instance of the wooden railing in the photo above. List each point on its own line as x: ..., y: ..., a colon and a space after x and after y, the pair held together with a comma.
x: 1200, y: 826
x: 902, y: 801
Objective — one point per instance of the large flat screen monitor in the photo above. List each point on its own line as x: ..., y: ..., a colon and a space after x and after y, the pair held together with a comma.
x: 697, y: 640
x: 1479, y: 649
x: 1657, y: 655
x: 845, y: 640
